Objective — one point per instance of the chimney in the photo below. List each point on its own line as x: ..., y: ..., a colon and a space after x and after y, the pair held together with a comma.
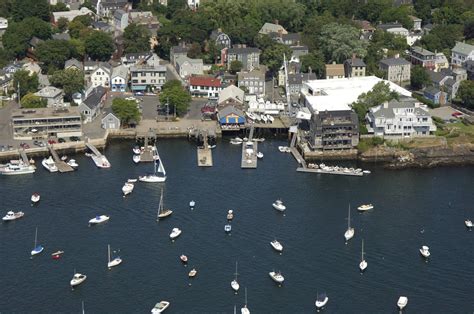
x: 276, y: 22
x: 353, y: 57
x: 385, y: 105
x: 280, y: 33
x: 219, y: 30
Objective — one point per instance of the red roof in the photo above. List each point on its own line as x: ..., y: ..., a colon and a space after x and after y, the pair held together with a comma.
x: 204, y: 81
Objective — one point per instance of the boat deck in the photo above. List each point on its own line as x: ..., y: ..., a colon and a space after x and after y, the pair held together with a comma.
x: 249, y: 162
x: 355, y: 174
x: 62, y: 165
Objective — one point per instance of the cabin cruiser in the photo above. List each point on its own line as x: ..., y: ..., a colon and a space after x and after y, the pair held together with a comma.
x: 35, y: 198
x: 15, y: 167
x: 425, y: 251
x: 49, y: 164
x: 73, y: 164
x: 236, y: 141
x: 321, y: 300
x: 277, y: 277
x: 365, y: 207
x: 276, y: 245
x: 77, y: 279
x: 99, y: 219
x: 11, y: 215
x: 278, y: 205
x: 230, y: 214
x: 160, y: 307
x: 259, y: 155
x: 101, y: 161
x: 468, y: 223
x: 175, y: 233
x: 228, y: 228
x: 127, y: 188
x: 402, y: 302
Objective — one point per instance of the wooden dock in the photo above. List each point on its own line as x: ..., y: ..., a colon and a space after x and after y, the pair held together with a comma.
x: 249, y: 161
x: 354, y: 174
x: 24, y: 157
x: 204, y: 154
x: 62, y: 165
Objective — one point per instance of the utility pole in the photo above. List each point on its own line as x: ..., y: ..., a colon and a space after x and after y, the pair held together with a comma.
x: 167, y: 108
x: 18, y: 94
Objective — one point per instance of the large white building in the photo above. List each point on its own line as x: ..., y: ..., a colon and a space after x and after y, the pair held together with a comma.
x: 397, y: 119
x: 461, y: 53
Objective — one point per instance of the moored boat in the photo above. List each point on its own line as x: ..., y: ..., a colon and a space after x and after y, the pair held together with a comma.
x: 101, y: 161
x: 230, y: 214
x: 365, y: 207
x: 192, y: 204
x: 278, y: 205
x: 57, y: 254
x: 37, y: 249
x: 228, y: 228
x: 127, y: 188
x: 136, y: 158
x: 259, y: 155
x: 277, y: 277
x: 35, y: 198
x: 15, y: 167
x: 402, y: 302
x: 183, y: 258
x: 112, y: 262
x: 176, y: 232
x: 98, y: 219
x: 77, y: 279
x: 11, y: 215
x: 349, y: 234
x: 425, y: 251
x: 49, y: 164
x: 276, y: 245
x: 160, y: 307
x: 468, y: 223
x: 321, y: 300
x: 192, y: 273
x: 162, y: 212
x: 72, y: 163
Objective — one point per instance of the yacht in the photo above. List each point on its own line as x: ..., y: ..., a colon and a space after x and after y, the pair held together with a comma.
x: 35, y: 198
x: 236, y: 141
x: 230, y: 215
x: 127, y: 188
x: 175, y: 233
x: 228, y: 228
x: 162, y: 212
x: 12, y: 216
x: 276, y: 245
x: 49, y: 164
x: 235, y: 284
x: 15, y: 167
x: 425, y: 251
x: 77, y: 279
x: 402, y: 302
x: 468, y: 223
x: 278, y: 205
x: 98, y: 219
x: 277, y: 277
x: 363, y: 262
x: 192, y: 273
x: 183, y: 258
x: 101, y: 161
x: 37, y: 248
x: 192, y: 204
x: 349, y: 234
x: 73, y: 164
x: 321, y: 300
x: 365, y: 207
x: 160, y: 307
x: 259, y: 155
x: 114, y: 262
x: 136, y: 158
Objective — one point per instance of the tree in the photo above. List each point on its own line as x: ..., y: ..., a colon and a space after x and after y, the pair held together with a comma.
x: 195, y: 51
x: 419, y: 78
x: 272, y: 57
x: 469, y: 29
x: 75, y: 28
x: 54, y: 53
x: 28, y: 83
x: 176, y: 97
x: 466, y: 94
x: 32, y: 101
x: 58, y: 7
x: 62, y: 24
x: 99, y: 46
x: 22, y: 9
x: 16, y: 37
x: 70, y: 80
x: 4, y: 57
x: 315, y: 62
x: 126, y: 110
x: 338, y: 42
x: 235, y: 66
x: 136, y: 38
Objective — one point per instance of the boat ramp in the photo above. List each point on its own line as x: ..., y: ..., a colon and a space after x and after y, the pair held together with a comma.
x: 60, y: 164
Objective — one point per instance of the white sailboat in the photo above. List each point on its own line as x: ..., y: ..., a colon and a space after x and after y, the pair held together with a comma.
x: 162, y: 213
x: 349, y: 234
x: 363, y: 263
x: 321, y: 300
x: 37, y: 248
x: 235, y: 284
x: 245, y: 309
x: 116, y: 261
x: 159, y: 174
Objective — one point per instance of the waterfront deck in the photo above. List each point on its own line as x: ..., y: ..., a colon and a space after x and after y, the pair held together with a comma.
x: 62, y: 165
x: 249, y: 161
x: 355, y: 174
x: 204, y: 154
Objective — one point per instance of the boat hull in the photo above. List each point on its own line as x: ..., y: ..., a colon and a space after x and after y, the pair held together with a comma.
x: 165, y: 213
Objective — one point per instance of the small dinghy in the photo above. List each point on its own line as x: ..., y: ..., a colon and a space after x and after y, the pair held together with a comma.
x: 35, y: 198
x: 230, y: 215
x: 192, y: 204
x: 278, y: 205
x: 160, y: 307
x: 183, y: 258
x: 57, y: 254
x: 228, y: 228
x: 64, y: 158
x: 176, y: 232
x: 402, y: 302
x: 73, y: 164
x: 259, y: 155
x: 98, y: 219
x: 468, y: 223
x: 137, y: 150
x: 132, y: 180
x: 136, y: 158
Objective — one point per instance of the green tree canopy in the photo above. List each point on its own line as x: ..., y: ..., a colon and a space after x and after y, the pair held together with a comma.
x: 70, y: 80
x: 338, y: 42
x: 28, y: 83
x: 62, y: 24
x: 443, y: 37
x: 22, y: 9
x: 419, y: 78
x: 4, y: 57
x: 176, y: 96
x: 16, y: 37
x: 136, y: 38
x: 466, y: 94
x: 315, y: 62
x: 272, y: 56
x: 235, y: 66
x: 99, y: 46
x: 126, y: 110
x: 30, y: 100
x: 54, y: 53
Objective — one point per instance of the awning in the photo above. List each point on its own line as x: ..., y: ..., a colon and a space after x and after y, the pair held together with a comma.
x: 138, y: 87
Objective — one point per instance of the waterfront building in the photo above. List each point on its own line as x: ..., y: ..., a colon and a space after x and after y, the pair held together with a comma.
x: 461, y: 53
x: 205, y: 86
x: 231, y: 95
x: 110, y: 121
x: 231, y: 118
x: 400, y: 118
x: 92, y: 105
x: 295, y: 81
x: 147, y: 77
x: 44, y: 123
x: 253, y: 82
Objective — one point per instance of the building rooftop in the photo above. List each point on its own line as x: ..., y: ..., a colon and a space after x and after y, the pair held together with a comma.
x: 205, y: 81
x: 387, y: 111
x: 49, y: 92
x: 243, y: 50
x: 463, y: 48
x: 231, y: 91
x: 252, y: 74
x: 356, y: 62
x: 298, y: 78
x: 120, y: 71
x: 394, y: 61
x: 334, y: 69
x: 422, y: 51
x: 272, y: 28
x: 95, y: 96
x: 20, y: 114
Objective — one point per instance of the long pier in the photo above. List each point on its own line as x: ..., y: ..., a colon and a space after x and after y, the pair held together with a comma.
x: 62, y: 165
x: 24, y: 157
x: 204, y: 154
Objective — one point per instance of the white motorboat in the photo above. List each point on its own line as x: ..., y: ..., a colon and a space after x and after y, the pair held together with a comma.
x: 468, y: 223
x: 363, y: 263
x: 162, y: 212
x: 64, y: 158
x: 321, y: 300
x: 72, y: 163
x: 132, y: 180
x: 349, y: 234
x: 136, y: 150
x: 230, y: 214
x: 264, y: 118
x: 192, y: 273
x: 282, y: 149
x: 366, y: 172
x: 228, y: 228
x: 136, y: 158
x: 365, y: 207
x: 11, y: 215
x: 245, y: 309
x: 159, y: 174
x: 257, y: 117
x: 112, y: 262
x: 37, y: 248
x: 15, y: 167
x: 49, y: 164
x: 278, y: 205
x: 270, y: 118
x: 57, y: 254
x: 402, y: 302
x: 259, y: 139
x: 425, y: 251
x: 250, y: 115
x: 160, y: 307
x: 235, y: 284
x: 98, y: 219
x: 183, y: 258
x: 35, y: 198
x: 277, y: 277
x: 236, y: 141
x: 101, y: 161
x: 259, y: 155
x: 127, y: 188
x: 192, y: 204
x: 276, y: 245
x: 176, y: 232
x: 77, y: 279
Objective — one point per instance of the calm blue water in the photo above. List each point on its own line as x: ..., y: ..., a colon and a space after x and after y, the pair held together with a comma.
x: 315, y: 257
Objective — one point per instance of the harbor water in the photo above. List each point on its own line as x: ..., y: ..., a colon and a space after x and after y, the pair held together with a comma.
x: 413, y: 207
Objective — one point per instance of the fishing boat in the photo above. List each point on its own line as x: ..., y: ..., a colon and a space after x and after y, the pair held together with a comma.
x: 276, y: 245
x: 321, y: 300
x: 277, y: 277
x: 73, y: 164
x: 183, y: 258
x: 11, y: 215
x: 37, y: 249
x: 425, y: 251
x: 228, y: 228
x: 192, y: 273
x: 363, y: 263
x: 114, y: 262
x: 159, y: 174
x: 259, y: 155
x: 363, y: 208
x: 100, y: 161
x: 15, y: 167
x: 162, y: 212
x: 245, y: 310
x: 468, y: 223
x: 235, y: 284
x: 136, y: 150
x: 230, y: 215
x: 77, y: 279
x: 57, y: 254
x: 49, y: 164
x: 176, y: 232
x: 236, y: 141
x: 192, y: 204
x: 98, y: 219
x: 349, y: 234
x: 278, y: 205
x: 127, y: 188
x: 160, y: 307
x: 136, y: 158
x: 402, y: 302
x: 35, y: 198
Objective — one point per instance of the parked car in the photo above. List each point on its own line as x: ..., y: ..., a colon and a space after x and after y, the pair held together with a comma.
x: 39, y: 143
x: 139, y: 94
x: 51, y: 142
x: 61, y: 140
x: 24, y: 145
x: 74, y: 139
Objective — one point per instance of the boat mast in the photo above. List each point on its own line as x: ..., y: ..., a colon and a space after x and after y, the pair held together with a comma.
x: 83, y: 311
x: 362, y: 255
x: 236, y: 271
x: 108, y: 251
x: 160, y: 207
x: 245, y: 296
x: 349, y: 218
x: 36, y: 237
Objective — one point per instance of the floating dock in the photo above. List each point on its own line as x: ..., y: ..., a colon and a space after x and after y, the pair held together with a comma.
x: 249, y: 160
x: 62, y: 165
x: 204, y: 154
x: 339, y: 172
